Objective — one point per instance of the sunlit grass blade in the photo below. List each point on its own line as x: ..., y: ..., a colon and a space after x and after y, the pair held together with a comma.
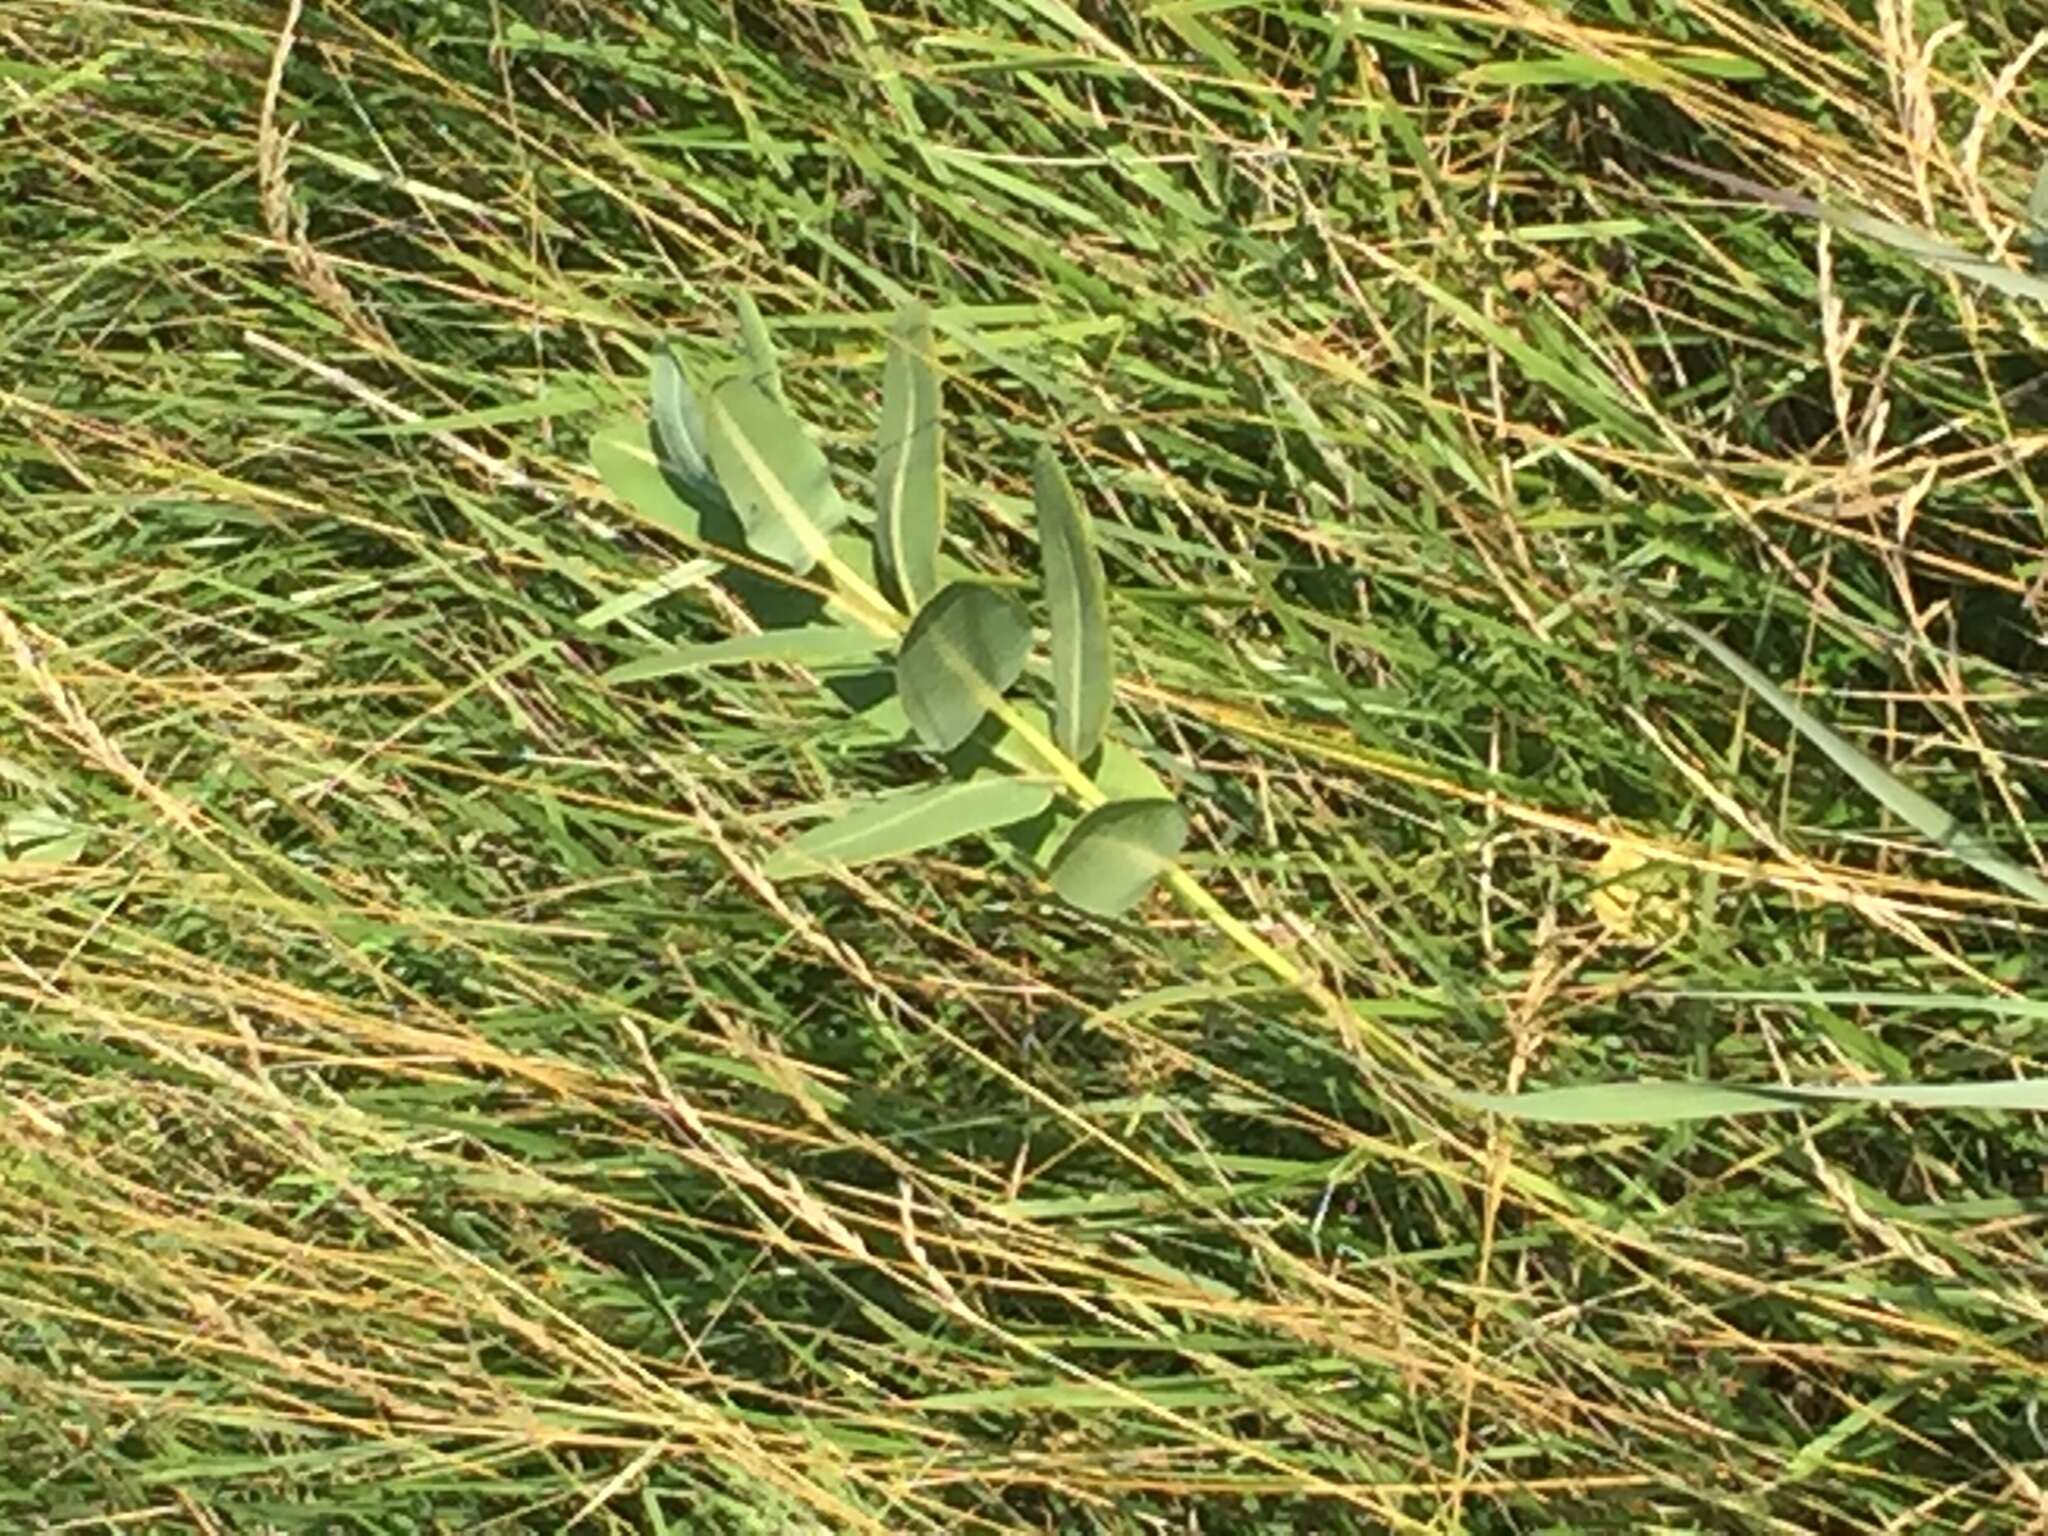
x: 1908, y: 804
x: 1082, y: 677
x: 908, y: 822
x: 810, y: 646
x: 909, y: 484
x: 1673, y: 1103
x: 420, y: 1111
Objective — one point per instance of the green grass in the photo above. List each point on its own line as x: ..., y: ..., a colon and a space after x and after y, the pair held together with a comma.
x: 420, y: 1115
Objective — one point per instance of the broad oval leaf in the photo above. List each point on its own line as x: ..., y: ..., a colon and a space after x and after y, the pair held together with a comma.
x: 624, y: 457
x: 910, y: 494
x: 774, y: 475
x: 964, y: 648
x: 908, y: 822
x: 1075, y: 590
x: 1115, y: 853
x: 817, y: 645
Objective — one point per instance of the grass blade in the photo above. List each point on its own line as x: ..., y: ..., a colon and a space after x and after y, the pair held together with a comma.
x: 1907, y: 803
x: 1115, y: 853
x: 812, y: 645
x: 1930, y: 252
x: 778, y: 481
x: 908, y: 822
x: 909, y: 489
x: 965, y: 647
x: 1082, y: 666
x: 1670, y: 1103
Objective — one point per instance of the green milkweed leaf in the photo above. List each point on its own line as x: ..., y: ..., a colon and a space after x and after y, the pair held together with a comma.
x: 1119, y: 772
x: 909, y: 822
x: 812, y: 645
x: 757, y: 348
x: 777, y: 480
x: 1116, y: 851
x: 964, y: 648
x: 997, y: 743
x: 1669, y: 1103
x: 623, y: 454
x: 1123, y: 775
x: 1907, y: 803
x: 679, y: 440
x: 678, y: 420
x: 1082, y: 679
x: 909, y: 491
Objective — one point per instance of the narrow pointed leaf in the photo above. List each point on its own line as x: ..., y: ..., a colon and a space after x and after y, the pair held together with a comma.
x: 909, y: 492
x: 777, y: 480
x: 679, y: 441
x: 811, y: 646
x: 1907, y: 803
x: 1669, y: 1103
x: 678, y: 420
x: 909, y: 822
x: 624, y: 457
x: 757, y: 349
x: 1115, y: 853
x: 965, y: 647
x: 1075, y: 591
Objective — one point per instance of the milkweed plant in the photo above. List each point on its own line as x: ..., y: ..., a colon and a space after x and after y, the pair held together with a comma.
x: 722, y: 461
